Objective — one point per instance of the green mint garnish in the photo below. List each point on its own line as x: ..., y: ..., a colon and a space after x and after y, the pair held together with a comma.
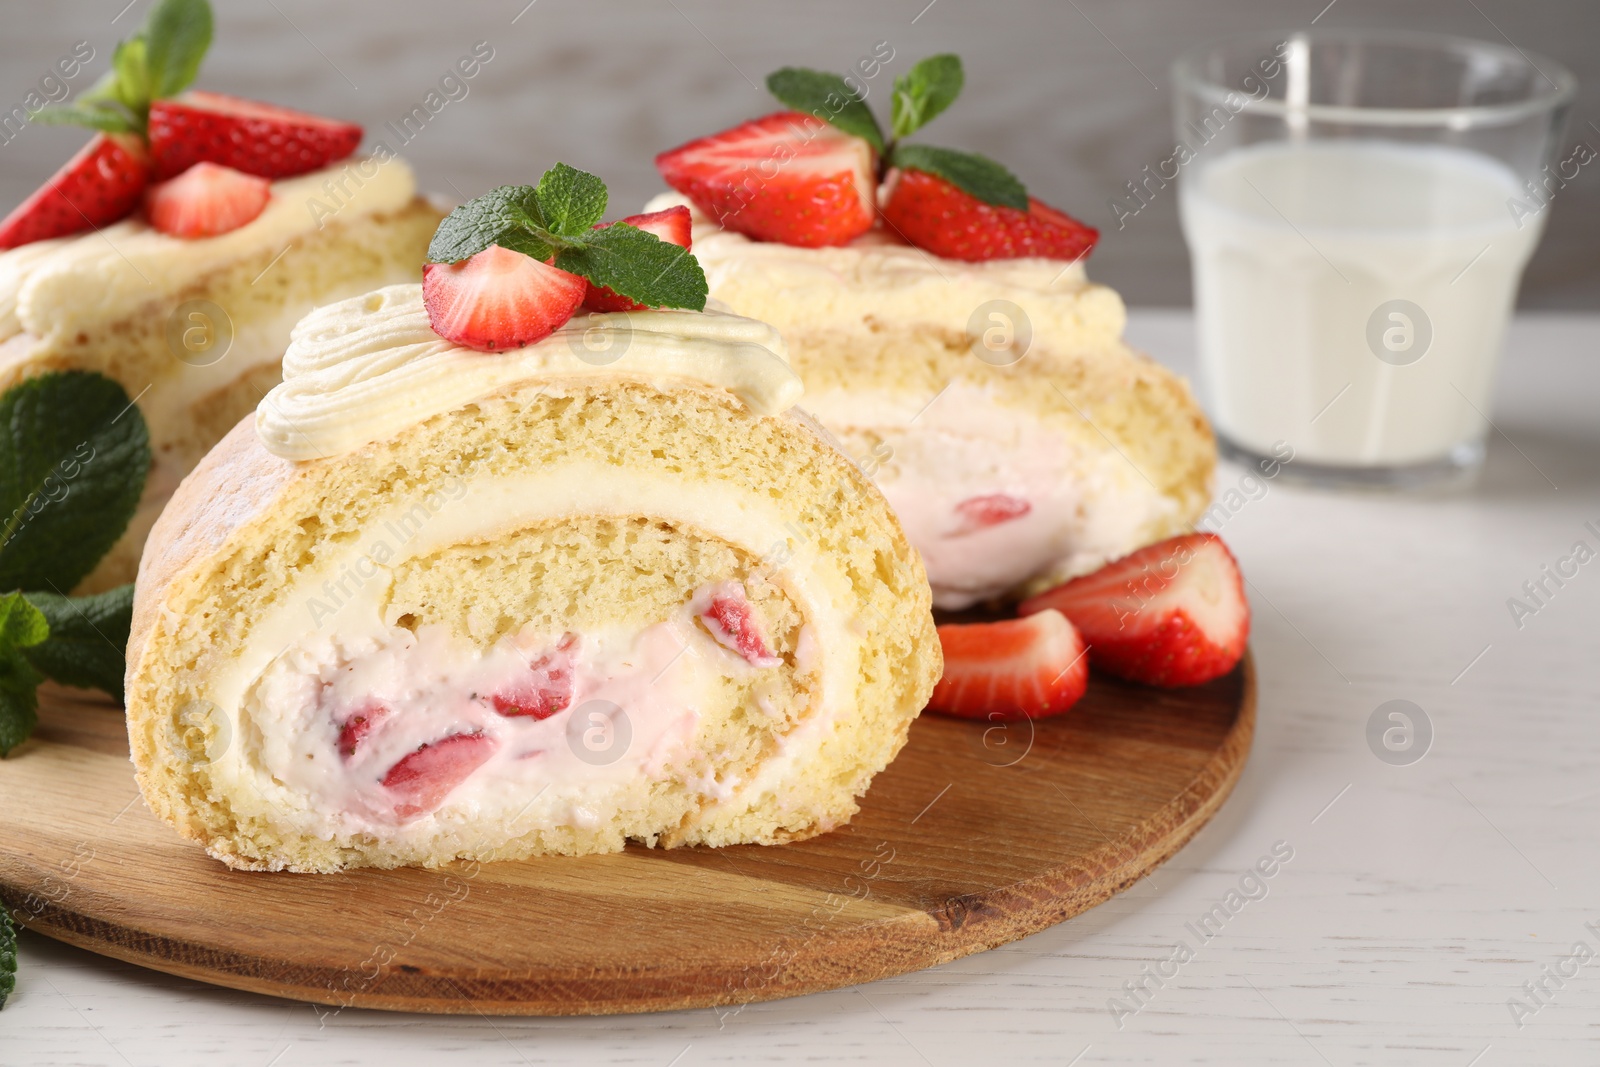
x: 22, y: 626
x: 828, y: 97
x: 557, y: 218
x: 571, y: 200
x: 920, y: 94
x: 87, y: 637
x: 159, y: 61
x: 640, y: 266
x: 975, y: 174
x: 923, y: 92
x: 74, y: 454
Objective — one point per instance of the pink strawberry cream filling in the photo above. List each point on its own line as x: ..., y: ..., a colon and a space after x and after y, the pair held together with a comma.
x: 991, y: 495
x: 388, y: 728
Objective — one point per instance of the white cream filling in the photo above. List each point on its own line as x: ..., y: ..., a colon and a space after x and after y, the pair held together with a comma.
x: 342, y: 598
x: 364, y: 369
x: 1082, y: 509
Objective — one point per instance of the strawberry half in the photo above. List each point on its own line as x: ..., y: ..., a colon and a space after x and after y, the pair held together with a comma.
x: 933, y: 214
x: 1015, y: 669
x: 422, y: 779
x: 1172, y: 613
x: 788, y: 177
x: 671, y: 225
x: 206, y: 200
x: 499, y: 299
x: 98, y: 186
x: 259, y: 139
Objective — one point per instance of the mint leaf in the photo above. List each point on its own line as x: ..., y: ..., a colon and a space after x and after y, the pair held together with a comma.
x: 923, y: 92
x: 507, y: 216
x: 74, y: 455
x: 974, y: 174
x: 107, y: 117
x: 828, y: 98
x: 571, y: 200
x: 8, y: 955
x: 177, y: 34
x: 88, y: 638
x: 639, y: 265
x: 160, y: 60
x: 131, y: 68
x: 21, y: 626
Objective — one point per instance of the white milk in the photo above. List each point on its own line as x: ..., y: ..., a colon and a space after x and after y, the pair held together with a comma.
x: 1296, y: 247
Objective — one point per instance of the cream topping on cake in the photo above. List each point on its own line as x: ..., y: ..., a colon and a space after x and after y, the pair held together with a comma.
x: 363, y: 369
x: 51, y: 286
x: 879, y: 279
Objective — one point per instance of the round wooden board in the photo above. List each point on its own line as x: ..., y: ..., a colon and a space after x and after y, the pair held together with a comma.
x: 978, y: 834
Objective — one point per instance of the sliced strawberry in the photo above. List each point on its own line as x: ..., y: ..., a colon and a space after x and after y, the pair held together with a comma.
x: 499, y: 299
x: 547, y: 687
x: 671, y: 225
x: 933, y: 214
x: 725, y: 611
x: 1015, y: 669
x: 259, y: 139
x: 421, y: 780
x: 98, y: 186
x: 788, y: 177
x: 1173, y: 613
x: 991, y: 509
x: 206, y: 200
x: 358, y: 726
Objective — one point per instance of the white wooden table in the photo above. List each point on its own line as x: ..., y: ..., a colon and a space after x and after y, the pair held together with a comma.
x: 1419, y: 900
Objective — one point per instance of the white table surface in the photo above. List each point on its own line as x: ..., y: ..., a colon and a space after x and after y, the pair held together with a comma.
x: 1418, y: 902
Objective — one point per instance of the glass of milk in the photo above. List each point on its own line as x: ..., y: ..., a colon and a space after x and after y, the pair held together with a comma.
x: 1359, y: 207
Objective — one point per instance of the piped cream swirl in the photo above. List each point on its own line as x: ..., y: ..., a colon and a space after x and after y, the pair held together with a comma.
x: 363, y: 369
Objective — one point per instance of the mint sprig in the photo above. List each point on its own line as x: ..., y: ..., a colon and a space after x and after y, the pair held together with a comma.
x: 556, y: 219
x: 920, y: 95
x: 924, y: 91
x: 74, y: 455
x: 828, y: 97
x: 87, y: 638
x: 159, y: 61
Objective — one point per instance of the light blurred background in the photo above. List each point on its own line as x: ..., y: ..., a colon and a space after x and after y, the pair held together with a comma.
x: 1073, y: 95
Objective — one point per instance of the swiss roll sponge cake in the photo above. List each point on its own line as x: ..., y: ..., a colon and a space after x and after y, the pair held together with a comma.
x: 492, y: 574
x: 947, y: 331
x: 175, y: 253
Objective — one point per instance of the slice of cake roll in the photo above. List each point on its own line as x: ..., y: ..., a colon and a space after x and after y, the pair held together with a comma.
x: 435, y: 603
x: 1020, y: 441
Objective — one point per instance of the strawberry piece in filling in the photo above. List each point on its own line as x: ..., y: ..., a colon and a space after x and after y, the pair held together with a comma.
x: 358, y: 726
x: 729, y: 618
x: 421, y: 780
x: 547, y: 688
x: 991, y: 509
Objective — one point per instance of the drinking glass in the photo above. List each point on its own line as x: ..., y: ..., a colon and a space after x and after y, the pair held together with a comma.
x: 1359, y: 206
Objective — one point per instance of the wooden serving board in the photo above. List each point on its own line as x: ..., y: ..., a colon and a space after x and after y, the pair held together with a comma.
x: 978, y: 834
